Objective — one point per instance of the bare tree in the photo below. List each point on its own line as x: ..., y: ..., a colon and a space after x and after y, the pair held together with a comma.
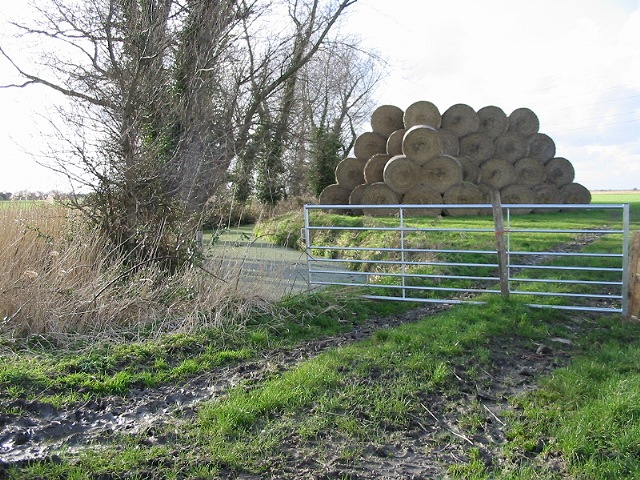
x: 163, y: 95
x: 335, y: 99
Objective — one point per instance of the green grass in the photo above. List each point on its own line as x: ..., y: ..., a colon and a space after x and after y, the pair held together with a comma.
x: 585, y: 414
x: 627, y: 197
x: 48, y: 373
x: 368, y: 392
x: 589, y: 411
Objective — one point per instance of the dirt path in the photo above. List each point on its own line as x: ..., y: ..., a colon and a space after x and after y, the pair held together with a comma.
x: 43, y: 430
x: 265, y: 269
x: 433, y: 441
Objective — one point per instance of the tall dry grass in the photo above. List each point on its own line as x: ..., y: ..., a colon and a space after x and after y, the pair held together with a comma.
x: 58, y: 277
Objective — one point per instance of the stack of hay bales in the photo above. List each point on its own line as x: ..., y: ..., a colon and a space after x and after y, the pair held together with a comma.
x: 420, y: 156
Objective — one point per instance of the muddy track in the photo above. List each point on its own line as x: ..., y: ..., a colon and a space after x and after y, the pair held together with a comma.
x: 433, y: 441
x: 44, y: 430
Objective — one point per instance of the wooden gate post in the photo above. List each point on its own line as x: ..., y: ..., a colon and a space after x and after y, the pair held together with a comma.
x: 503, y: 260
x: 634, y: 276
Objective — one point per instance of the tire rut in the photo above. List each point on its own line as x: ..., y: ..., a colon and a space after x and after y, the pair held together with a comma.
x: 42, y: 430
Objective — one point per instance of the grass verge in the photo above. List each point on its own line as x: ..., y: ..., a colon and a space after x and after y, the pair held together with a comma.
x: 36, y: 369
x: 336, y: 407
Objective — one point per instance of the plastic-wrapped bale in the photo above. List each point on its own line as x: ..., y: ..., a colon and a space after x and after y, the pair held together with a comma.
x: 423, y: 195
x: 380, y: 194
x: 460, y: 194
x: 350, y: 172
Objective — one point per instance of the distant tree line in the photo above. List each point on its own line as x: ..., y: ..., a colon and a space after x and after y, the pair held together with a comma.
x: 37, y: 195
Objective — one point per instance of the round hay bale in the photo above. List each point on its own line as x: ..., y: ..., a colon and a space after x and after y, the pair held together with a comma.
x: 394, y: 142
x: 401, y: 174
x: 422, y: 113
x: 559, y: 171
x: 335, y: 195
x: 380, y: 194
x: 386, y: 119
x: 497, y: 173
x: 470, y: 169
x: 374, y: 167
x: 350, y: 172
x: 460, y: 194
x: 546, y: 193
x: 356, y: 198
x: 368, y: 144
x: 460, y: 119
x: 530, y: 171
x: 493, y: 121
x: 517, y: 193
x: 511, y: 146
x: 575, y: 193
x: 423, y: 195
x: 477, y: 145
x: 450, y: 142
x: 541, y: 147
x: 422, y: 143
x: 524, y: 121
x: 441, y: 172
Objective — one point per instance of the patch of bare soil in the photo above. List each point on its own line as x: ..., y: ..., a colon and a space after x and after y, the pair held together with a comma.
x: 439, y: 435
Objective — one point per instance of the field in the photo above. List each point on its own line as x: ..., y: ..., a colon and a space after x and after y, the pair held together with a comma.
x: 324, y: 385
x: 616, y: 196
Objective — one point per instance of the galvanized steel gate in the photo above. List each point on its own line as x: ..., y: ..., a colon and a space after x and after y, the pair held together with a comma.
x: 455, y: 272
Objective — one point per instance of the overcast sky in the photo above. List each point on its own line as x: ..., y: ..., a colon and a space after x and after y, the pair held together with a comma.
x: 576, y: 64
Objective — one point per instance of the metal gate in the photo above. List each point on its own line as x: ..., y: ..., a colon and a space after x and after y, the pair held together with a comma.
x: 434, y: 259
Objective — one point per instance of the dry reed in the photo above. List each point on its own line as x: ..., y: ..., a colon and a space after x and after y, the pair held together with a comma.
x: 58, y: 278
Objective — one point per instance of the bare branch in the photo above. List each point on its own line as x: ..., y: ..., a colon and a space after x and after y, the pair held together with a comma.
x: 33, y: 79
